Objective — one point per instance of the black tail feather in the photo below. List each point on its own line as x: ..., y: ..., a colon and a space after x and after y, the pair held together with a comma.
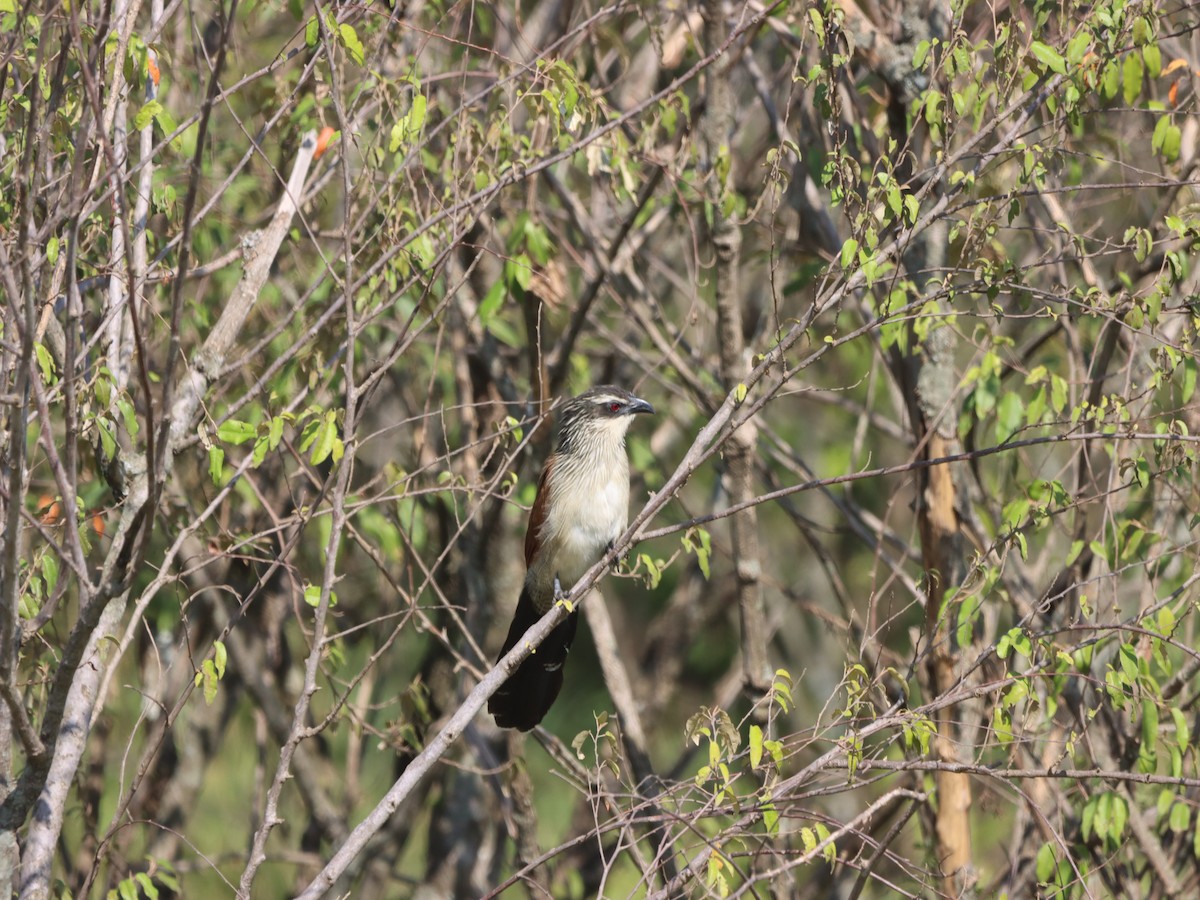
x: 527, y: 696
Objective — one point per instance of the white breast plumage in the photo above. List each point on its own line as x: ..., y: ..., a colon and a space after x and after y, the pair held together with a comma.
x: 582, y: 522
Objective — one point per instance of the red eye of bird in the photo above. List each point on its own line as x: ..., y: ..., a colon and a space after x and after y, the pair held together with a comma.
x: 614, y: 406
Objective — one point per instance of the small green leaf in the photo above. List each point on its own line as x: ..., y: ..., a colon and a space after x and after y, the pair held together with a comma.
x: 408, y: 127
x: 1181, y: 818
x: 235, y: 431
x: 492, y: 301
x: 770, y: 819
x: 1048, y: 57
x: 1078, y: 46
x: 147, y: 114
x: 1132, y: 77
x: 325, y: 439
x: 49, y: 571
x: 147, y: 885
x: 739, y: 393
x: 1152, y: 57
x: 312, y: 32
x: 216, y: 464
x: 818, y: 24
x: 128, y: 415
x: 1046, y: 863
x: 830, y: 851
x: 45, y: 363
x: 756, y: 746
x: 849, y: 252
x: 1182, y: 733
x: 351, y: 42
x: 920, y: 54
x: 1010, y: 415
x: 1149, y: 724
x: 220, y: 657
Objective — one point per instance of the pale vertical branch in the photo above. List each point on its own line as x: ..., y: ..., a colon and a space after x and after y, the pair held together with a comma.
x: 726, y: 237
x: 119, y: 325
x: 141, y: 206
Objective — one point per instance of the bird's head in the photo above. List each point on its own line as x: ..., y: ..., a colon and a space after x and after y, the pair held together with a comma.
x: 600, y: 413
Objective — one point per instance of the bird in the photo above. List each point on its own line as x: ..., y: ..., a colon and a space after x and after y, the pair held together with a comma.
x: 580, y: 509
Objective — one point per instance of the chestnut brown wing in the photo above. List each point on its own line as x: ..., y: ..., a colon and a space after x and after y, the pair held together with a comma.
x: 537, y: 515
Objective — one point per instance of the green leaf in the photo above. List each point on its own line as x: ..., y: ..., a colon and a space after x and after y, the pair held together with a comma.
x: 830, y: 851
x: 1120, y: 815
x: 45, y: 362
x: 775, y: 748
x: 1078, y: 46
x: 1046, y: 863
x: 207, y: 679
x: 492, y: 301
x: 1181, y: 818
x: 968, y: 611
x: 818, y: 24
x: 128, y: 415
x: 409, y: 126
x: 1102, y: 821
x: 739, y: 393
x: 1010, y: 415
x: 1131, y: 78
x: 1182, y: 733
x: 920, y: 54
x: 770, y: 819
x: 1171, y: 141
x: 1088, y: 821
x: 147, y: 885
x: 849, y: 252
x: 324, y: 438
x: 260, y: 451
x: 147, y: 114
x: 216, y: 464
x: 1149, y: 724
x: 220, y: 657
x: 49, y: 571
x: 1129, y: 663
x: 350, y: 40
x: 108, y: 441
x: 312, y: 32
x: 1058, y: 393
x: 1152, y: 57
x: 52, y: 250
x: 756, y: 746
x: 1048, y: 57
x: 235, y: 431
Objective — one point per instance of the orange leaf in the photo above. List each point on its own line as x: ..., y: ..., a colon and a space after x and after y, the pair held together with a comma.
x: 51, y: 513
x: 323, y: 141
x: 1175, y: 64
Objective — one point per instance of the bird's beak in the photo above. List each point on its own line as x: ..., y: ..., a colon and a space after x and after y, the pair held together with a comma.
x: 638, y: 406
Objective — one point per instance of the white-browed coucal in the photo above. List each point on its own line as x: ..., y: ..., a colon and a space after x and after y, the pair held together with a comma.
x: 581, y: 508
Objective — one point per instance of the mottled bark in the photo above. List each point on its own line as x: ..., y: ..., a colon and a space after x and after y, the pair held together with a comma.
x: 725, y: 236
